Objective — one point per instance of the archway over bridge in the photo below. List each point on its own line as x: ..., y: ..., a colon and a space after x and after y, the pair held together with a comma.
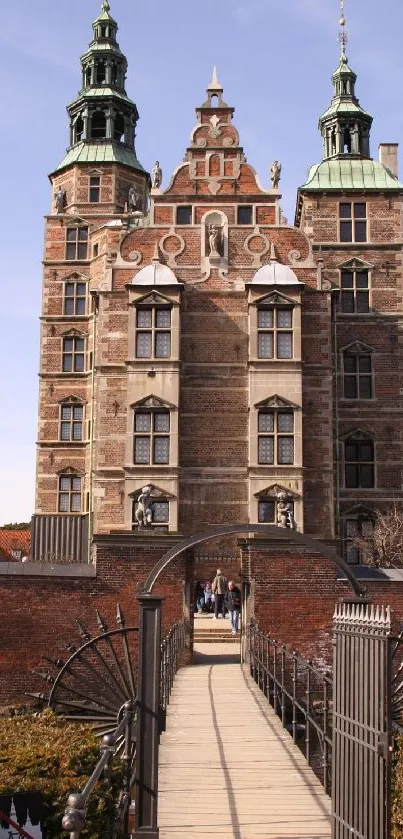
x: 264, y: 529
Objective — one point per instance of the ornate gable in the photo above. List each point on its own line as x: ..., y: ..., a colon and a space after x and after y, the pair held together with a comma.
x: 276, y: 402
x: 75, y: 399
x: 74, y: 333
x: 357, y: 434
x: 274, y: 298
x: 74, y: 276
x: 153, y: 299
x: 355, y: 264
x: 152, y: 402
x: 156, y: 492
x: 274, y: 490
x: 356, y: 348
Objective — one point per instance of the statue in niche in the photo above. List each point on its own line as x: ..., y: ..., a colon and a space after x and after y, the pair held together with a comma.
x: 134, y: 201
x: 156, y: 175
x: 285, y: 514
x: 275, y: 174
x: 215, y: 239
x: 60, y: 198
x: 144, y: 512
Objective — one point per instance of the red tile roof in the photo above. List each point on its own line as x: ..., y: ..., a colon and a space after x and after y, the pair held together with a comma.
x: 13, y: 541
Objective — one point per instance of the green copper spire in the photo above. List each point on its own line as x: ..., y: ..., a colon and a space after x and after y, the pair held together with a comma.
x: 345, y: 126
x: 102, y: 117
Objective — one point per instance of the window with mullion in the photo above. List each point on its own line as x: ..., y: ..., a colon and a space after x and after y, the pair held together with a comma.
x: 357, y: 376
x: 153, y: 332
x: 71, y: 422
x: 359, y: 464
x: 353, y: 221
x: 75, y: 296
x: 275, y: 337
x: 73, y: 355
x: 356, y: 530
x: 159, y: 512
x: 151, y: 437
x: 70, y: 494
x: 267, y: 510
x: 354, y: 287
x: 76, y: 243
x: 275, y: 437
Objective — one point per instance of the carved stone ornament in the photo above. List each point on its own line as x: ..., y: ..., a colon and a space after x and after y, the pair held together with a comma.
x: 175, y: 247
x: 257, y: 253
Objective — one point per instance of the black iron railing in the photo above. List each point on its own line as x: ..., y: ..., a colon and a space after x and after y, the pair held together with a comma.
x: 171, y: 647
x: 120, y: 743
x: 300, y: 694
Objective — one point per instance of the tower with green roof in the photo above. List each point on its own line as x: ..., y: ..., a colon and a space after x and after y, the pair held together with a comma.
x: 102, y: 118
x: 350, y: 207
x: 345, y: 128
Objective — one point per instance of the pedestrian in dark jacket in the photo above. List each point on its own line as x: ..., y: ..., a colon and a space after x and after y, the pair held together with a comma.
x: 233, y: 600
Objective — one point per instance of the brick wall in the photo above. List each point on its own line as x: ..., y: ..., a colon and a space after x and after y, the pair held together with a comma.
x: 41, y: 611
x: 293, y: 595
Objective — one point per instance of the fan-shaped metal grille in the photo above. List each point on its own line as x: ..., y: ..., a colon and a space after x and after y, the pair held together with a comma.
x: 99, y: 676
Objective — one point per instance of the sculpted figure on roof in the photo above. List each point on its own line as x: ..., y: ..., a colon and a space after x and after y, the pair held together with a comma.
x: 275, y: 174
x: 156, y: 175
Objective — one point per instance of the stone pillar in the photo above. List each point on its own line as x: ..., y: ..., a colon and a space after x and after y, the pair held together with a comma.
x: 148, y: 705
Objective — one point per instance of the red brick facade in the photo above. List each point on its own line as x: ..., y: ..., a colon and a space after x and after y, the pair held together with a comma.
x: 221, y: 369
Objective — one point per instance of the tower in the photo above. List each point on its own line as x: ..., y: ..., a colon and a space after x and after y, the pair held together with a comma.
x: 351, y: 208
x: 98, y: 182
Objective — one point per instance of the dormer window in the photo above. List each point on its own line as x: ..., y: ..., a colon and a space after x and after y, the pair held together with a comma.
x: 275, y: 337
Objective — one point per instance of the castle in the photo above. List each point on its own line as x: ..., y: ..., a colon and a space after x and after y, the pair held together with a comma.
x: 196, y: 345
x: 204, y: 364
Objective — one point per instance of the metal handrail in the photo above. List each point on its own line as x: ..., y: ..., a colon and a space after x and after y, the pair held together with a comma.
x: 111, y: 745
x: 300, y: 694
x: 171, y: 646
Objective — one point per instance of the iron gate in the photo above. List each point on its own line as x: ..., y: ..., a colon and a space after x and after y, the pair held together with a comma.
x: 361, y: 762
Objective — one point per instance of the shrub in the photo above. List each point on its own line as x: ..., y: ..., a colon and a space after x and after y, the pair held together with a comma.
x: 46, y: 754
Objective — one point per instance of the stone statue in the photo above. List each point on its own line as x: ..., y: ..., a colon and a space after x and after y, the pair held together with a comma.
x: 134, y: 201
x: 275, y: 174
x: 144, y: 513
x: 285, y: 515
x: 60, y: 200
x: 214, y: 239
x: 156, y: 175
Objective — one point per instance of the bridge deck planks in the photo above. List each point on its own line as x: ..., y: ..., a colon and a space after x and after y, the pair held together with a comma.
x: 228, y: 769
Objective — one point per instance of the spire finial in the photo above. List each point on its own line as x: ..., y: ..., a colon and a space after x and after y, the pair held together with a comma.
x: 343, y: 37
x: 105, y: 6
x: 215, y: 84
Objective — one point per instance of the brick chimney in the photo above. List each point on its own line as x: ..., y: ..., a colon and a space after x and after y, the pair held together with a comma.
x: 388, y: 156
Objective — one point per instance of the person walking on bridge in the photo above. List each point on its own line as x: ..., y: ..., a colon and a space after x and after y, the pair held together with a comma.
x: 219, y: 589
x: 233, y: 600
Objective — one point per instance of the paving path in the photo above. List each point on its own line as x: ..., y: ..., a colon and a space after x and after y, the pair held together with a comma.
x: 228, y: 769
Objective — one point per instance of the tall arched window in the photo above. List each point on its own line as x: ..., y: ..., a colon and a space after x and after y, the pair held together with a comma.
x: 98, y: 125
x: 119, y: 128
x: 78, y: 129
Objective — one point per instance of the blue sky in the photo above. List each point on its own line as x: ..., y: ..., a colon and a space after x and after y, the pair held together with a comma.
x: 275, y: 59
